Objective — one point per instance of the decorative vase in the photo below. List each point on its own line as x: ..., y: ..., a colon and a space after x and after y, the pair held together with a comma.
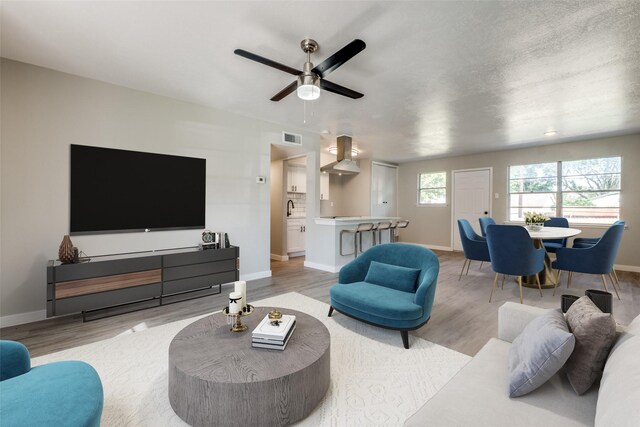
x: 535, y: 226
x: 65, y: 252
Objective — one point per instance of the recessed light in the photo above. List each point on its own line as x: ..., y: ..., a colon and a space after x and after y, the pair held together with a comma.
x: 324, y: 132
x: 334, y: 150
x: 551, y: 133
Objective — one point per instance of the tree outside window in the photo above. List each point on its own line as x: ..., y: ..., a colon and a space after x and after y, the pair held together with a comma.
x: 432, y: 188
x: 583, y: 191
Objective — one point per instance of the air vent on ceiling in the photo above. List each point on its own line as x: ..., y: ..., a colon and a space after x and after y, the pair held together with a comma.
x: 291, y: 138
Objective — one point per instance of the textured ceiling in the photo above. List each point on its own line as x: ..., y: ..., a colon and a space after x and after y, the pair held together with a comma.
x: 439, y: 78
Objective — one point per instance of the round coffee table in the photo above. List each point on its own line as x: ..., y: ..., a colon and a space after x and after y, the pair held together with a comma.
x: 217, y: 378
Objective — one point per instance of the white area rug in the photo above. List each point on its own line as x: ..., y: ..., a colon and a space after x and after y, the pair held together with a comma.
x: 374, y: 380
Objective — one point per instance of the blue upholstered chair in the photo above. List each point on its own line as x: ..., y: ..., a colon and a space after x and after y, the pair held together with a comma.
x: 552, y: 245
x: 597, y: 259
x: 55, y: 394
x: 485, y: 221
x: 474, y: 247
x: 512, y: 252
x: 587, y: 242
x: 390, y: 285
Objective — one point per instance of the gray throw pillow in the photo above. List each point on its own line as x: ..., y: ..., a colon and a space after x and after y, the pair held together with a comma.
x: 595, y: 332
x: 540, y: 350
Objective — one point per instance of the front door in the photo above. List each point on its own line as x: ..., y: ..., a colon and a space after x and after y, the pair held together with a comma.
x: 471, y: 200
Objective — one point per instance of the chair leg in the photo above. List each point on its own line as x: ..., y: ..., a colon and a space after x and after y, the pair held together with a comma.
x: 468, y: 265
x: 539, y: 287
x: 611, y: 277
x: 613, y: 270
x: 569, y: 279
x: 330, y: 311
x: 405, y: 338
x: 462, y: 271
x: 495, y: 285
x: 503, y: 281
x: 520, y: 286
x: 604, y: 282
x: 481, y: 262
x: 557, y: 283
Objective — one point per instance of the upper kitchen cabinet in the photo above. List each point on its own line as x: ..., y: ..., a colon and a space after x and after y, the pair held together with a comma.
x: 384, y: 188
x: 324, y: 186
x: 296, y: 178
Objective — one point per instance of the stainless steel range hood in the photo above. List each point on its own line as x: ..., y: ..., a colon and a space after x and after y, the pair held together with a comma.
x: 344, y: 164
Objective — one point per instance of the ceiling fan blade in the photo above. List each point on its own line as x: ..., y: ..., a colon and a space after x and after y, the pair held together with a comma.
x: 339, y: 58
x: 340, y: 90
x: 265, y: 61
x: 286, y: 91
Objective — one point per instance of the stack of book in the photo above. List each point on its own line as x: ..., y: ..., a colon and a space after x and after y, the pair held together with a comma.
x: 273, y: 335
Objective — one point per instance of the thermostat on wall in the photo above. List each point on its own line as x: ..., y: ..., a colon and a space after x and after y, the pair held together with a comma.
x: 261, y: 179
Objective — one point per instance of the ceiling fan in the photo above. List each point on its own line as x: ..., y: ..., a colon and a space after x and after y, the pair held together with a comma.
x: 311, y: 78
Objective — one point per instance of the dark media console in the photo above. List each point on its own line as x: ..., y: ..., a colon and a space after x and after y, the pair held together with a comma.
x: 142, y: 280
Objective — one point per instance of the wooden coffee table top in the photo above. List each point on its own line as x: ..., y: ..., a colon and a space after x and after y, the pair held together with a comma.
x: 208, y: 350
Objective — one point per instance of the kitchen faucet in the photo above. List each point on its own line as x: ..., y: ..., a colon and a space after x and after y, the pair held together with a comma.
x: 292, y: 207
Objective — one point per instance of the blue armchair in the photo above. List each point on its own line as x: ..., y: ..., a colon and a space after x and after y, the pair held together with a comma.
x: 587, y: 242
x: 56, y: 394
x: 512, y: 253
x: 391, y: 286
x: 485, y: 221
x: 597, y: 259
x: 552, y: 245
x: 474, y: 247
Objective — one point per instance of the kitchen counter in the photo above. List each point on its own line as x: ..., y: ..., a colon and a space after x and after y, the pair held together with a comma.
x: 327, y: 257
x: 296, y: 217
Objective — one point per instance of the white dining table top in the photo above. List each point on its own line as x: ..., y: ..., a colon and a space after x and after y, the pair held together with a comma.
x: 553, y: 233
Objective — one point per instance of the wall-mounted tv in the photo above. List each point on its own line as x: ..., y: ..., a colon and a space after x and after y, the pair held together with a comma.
x: 116, y: 191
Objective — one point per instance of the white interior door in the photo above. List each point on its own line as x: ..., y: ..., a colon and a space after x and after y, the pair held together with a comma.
x: 471, y: 199
x: 384, y: 183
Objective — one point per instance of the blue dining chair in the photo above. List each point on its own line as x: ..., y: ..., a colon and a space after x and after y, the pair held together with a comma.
x: 512, y: 253
x: 484, y: 222
x: 474, y: 246
x: 587, y: 242
x: 552, y: 245
x: 597, y: 259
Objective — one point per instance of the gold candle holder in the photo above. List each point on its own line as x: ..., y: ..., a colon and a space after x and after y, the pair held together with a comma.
x: 236, y: 318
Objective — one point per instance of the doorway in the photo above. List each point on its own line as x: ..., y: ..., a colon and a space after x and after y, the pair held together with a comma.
x: 471, y: 199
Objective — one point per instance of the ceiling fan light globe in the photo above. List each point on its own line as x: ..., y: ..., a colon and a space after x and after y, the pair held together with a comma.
x: 308, y: 92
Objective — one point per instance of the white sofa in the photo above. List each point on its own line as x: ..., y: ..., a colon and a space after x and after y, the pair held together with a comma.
x: 477, y: 395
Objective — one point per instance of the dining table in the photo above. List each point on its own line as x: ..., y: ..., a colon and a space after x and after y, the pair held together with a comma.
x: 547, y: 278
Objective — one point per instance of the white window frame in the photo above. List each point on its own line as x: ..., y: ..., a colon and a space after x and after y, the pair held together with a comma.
x: 446, y: 193
x: 560, y: 193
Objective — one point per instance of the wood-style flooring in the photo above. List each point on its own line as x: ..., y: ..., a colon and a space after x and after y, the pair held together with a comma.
x: 462, y: 318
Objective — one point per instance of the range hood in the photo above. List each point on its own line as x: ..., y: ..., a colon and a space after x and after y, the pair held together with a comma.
x: 344, y: 163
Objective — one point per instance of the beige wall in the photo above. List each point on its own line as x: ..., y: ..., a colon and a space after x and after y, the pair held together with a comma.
x: 355, y: 197
x: 432, y: 225
x: 44, y: 111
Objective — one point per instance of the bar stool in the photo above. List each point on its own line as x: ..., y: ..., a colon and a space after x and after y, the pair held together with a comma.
x: 379, y: 228
x: 357, y: 233
x: 400, y: 224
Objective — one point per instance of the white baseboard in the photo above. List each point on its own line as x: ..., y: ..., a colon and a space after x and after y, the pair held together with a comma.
x: 436, y: 247
x: 21, y: 318
x: 323, y: 267
x: 255, y: 276
x: 632, y: 268
x: 276, y: 257
x: 296, y: 254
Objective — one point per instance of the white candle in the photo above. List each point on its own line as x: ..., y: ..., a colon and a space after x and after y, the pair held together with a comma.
x: 241, y: 286
x: 235, y: 299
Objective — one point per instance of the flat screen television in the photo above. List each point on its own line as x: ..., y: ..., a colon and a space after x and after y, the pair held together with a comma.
x: 116, y: 191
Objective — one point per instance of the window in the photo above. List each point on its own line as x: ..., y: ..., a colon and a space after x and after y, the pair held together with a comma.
x: 432, y: 188
x: 583, y: 191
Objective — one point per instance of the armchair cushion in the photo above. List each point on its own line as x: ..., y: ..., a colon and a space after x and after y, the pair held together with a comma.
x: 376, y: 304
x: 539, y: 352
x: 392, y: 276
